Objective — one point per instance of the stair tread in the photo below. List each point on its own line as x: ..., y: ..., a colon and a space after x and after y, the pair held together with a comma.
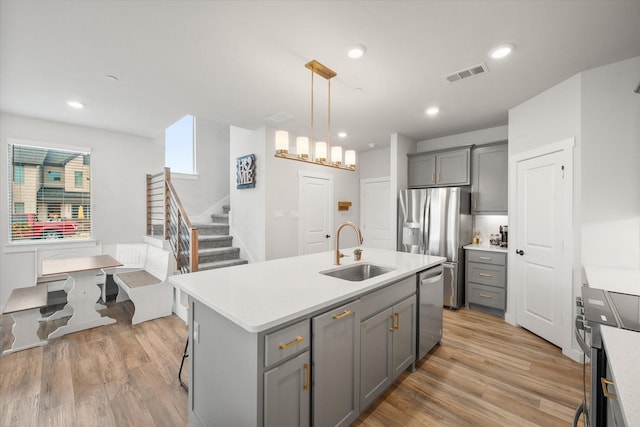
x: 214, y: 237
x: 210, y: 224
x: 225, y: 249
x: 221, y: 264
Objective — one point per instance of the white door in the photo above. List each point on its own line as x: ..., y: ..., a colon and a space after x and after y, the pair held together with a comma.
x: 376, y: 213
x: 316, y: 216
x: 540, y: 262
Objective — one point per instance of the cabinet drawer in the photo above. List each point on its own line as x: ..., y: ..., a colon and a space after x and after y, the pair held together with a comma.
x: 281, y: 344
x: 497, y: 258
x: 386, y: 297
x: 486, y: 295
x: 492, y: 275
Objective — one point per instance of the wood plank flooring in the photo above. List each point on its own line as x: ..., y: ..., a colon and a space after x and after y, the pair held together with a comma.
x: 485, y: 373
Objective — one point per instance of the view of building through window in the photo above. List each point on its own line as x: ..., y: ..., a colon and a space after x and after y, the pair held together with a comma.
x: 179, y: 146
x: 50, y: 194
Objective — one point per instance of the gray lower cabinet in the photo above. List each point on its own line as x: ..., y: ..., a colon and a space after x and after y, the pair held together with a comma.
x: 387, y: 337
x: 489, y: 180
x: 287, y: 393
x: 486, y: 280
x: 336, y: 366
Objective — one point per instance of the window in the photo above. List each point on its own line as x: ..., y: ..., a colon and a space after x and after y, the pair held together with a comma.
x: 78, y: 179
x: 179, y: 146
x: 50, y: 193
x: 18, y: 174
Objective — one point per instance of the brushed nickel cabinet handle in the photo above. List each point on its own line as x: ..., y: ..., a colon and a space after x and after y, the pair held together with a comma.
x: 485, y: 275
x: 475, y: 204
x: 485, y: 296
x: 485, y: 258
x: 344, y: 314
x: 605, y: 382
x: 298, y: 340
x: 306, y: 376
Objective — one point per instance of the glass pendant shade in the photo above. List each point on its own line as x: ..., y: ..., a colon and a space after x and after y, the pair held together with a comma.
x: 321, y: 151
x: 336, y: 155
x: 302, y: 147
x: 282, y: 142
x: 350, y: 158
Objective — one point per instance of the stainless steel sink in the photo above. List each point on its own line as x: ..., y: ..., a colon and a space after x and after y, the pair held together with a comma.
x: 358, y: 272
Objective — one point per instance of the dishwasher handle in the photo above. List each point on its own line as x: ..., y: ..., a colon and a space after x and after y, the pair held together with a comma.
x: 432, y: 279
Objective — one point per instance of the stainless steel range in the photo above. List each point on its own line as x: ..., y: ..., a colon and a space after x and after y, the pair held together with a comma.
x: 600, y: 307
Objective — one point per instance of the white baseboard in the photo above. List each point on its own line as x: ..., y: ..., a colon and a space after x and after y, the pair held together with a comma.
x: 205, y: 217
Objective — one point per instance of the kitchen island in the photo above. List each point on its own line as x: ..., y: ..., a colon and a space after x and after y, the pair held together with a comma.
x: 279, y: 343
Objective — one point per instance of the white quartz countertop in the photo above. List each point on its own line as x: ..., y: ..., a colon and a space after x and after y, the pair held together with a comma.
x: 262, y: 295
x: 485, y: 247
x: 623, y: 346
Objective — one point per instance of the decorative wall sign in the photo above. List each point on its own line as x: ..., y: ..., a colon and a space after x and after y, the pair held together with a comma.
x: 246, y: 171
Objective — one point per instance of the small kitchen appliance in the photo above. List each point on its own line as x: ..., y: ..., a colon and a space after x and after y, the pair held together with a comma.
x: 503, y: 235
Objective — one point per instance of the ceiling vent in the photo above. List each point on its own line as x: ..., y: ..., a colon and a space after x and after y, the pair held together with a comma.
x: 467, y: 72
x: 279, y: 117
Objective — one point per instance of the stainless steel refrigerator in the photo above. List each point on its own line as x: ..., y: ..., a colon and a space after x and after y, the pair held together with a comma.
x: 437, y: 221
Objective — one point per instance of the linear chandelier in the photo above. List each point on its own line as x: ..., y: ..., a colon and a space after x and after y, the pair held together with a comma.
x: 321, y: 148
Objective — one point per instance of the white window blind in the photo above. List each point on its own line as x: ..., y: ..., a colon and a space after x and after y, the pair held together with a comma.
x: 49, y: 193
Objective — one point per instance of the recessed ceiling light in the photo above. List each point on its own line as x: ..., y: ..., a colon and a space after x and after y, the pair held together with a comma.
x: 432, y: 111
x: 501, y: 51
x: 356, y: 51
x: 342, y: 134
x: 371, y: 144
x: 75, y: 104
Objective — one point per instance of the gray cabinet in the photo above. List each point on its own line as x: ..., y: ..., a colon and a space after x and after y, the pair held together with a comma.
x: 489, y: 181
x: 336, y: 366
x: 287, y: 393
x: 388, y: 338
x: 439, y: 169
x: 486, y: 280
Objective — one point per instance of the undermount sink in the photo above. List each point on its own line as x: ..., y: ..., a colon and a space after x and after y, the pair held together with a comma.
x: 358, y: 272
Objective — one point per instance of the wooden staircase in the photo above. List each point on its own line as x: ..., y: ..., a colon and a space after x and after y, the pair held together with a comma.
x: 214, y: 243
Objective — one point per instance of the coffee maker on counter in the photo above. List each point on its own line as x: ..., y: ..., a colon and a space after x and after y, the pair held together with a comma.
x: 503, y: 235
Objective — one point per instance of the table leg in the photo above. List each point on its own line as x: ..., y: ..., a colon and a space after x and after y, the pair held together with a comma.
x: 82, y: 298
x: 25, y: 330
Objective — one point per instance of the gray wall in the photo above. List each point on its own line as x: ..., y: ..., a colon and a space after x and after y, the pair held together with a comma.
x: 374, y: 163
x: 118, y: 174
x: 478, y: 137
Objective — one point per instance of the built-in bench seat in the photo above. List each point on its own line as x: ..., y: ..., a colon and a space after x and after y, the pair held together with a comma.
x: 147, y: 288
x: 24, y: 306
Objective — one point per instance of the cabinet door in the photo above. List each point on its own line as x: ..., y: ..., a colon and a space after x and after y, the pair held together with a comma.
x: 489, y: 184
x: 404, y: 335
x: 375, y: 356
x: 336, y: 366
x: 452, y: 167
x: 422, y: 170
x: 287, y: 393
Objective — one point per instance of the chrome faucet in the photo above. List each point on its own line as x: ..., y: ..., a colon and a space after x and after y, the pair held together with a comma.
x: 358, y: 233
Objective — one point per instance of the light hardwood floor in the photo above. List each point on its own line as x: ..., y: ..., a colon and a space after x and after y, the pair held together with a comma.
x: 486, y: 372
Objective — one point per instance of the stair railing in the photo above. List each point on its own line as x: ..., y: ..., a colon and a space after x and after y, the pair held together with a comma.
x: 167, y: 217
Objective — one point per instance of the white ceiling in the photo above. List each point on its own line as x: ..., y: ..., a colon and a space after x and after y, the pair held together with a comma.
x: 238, y: 62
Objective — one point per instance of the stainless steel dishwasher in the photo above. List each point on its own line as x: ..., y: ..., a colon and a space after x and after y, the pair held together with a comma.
x: 430, y: 295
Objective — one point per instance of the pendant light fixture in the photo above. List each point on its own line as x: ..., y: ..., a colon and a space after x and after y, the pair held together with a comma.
x: 321, y: 149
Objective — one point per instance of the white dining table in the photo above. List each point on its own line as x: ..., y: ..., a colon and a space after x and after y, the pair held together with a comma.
x: 83, y: 295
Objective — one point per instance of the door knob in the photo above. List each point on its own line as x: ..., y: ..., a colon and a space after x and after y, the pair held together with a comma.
x: 519, y: 252
x: 327, y: 236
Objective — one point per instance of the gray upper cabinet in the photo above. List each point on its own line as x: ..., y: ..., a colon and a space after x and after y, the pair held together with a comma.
x: 336, y: 366
x: 422, y: 170
x: 489, y: 183
x: 439, y: 169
